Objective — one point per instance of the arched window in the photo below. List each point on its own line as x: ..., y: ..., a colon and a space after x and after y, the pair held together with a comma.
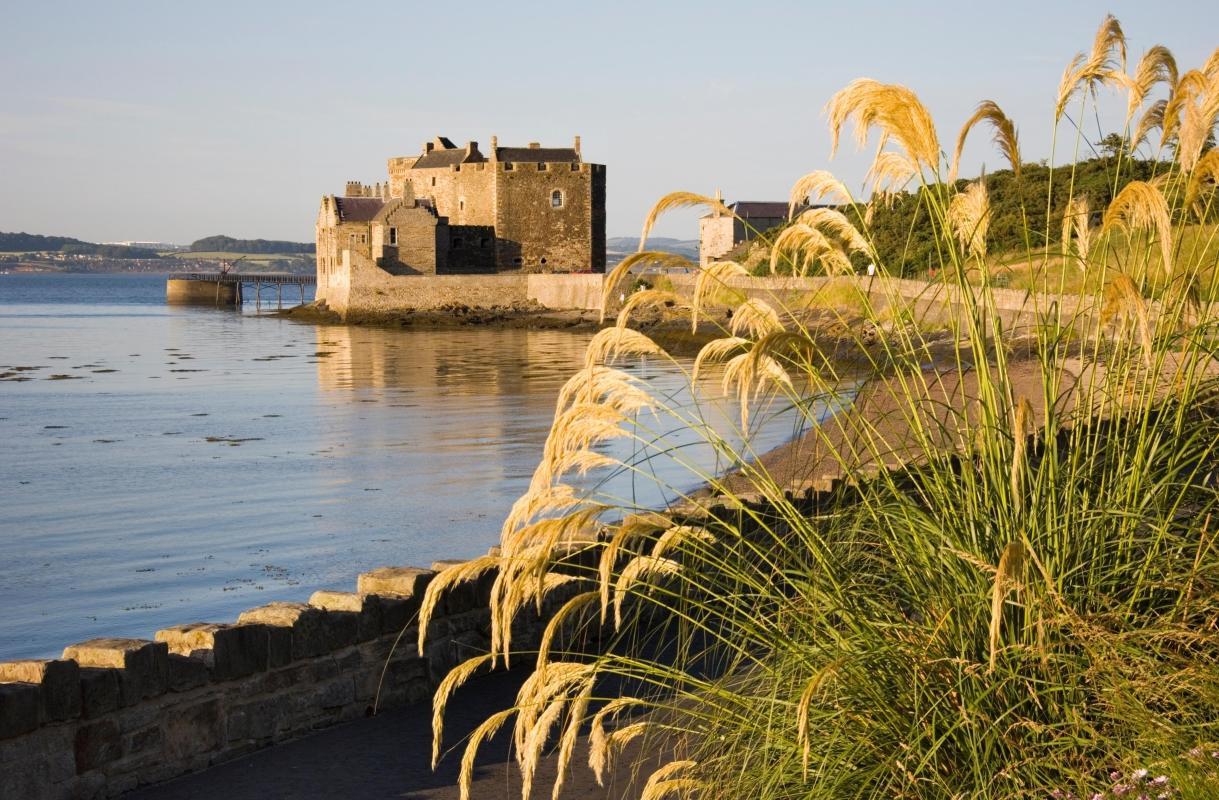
x: 556, y: 199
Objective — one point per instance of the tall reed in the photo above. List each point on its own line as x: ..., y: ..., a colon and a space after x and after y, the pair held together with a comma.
x: 1007, y: 581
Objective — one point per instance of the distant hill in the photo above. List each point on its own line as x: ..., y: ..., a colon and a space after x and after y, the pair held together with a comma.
x: 619, y: 247
x: 227, y: 244
x: 34, y: 243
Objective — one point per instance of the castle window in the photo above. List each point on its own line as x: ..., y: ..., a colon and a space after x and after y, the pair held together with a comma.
x: 556, y: 199
x: 433, y: 180
x: 543, y: 261
x: 508, y: 165
x: 393, y: 237
x: 461, y: 204
x: 575, y: 166
x: 541, y: 167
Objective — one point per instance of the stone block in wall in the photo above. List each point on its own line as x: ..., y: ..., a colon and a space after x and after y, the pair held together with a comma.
x: 460, y: 596
x: 397, y: 613
x: 192, y: 730
x: 58, y: 682
x: 364, y: 610
x: 99, y: 691
x: 20, y: 708
x: 310, y: 632
x: 97, y: 744
x: 395, y: 581
x: 143, y: 665
x: 186, y: 673
x: 229, y: 651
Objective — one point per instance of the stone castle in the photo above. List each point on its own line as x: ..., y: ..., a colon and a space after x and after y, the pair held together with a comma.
x: 453, y: 210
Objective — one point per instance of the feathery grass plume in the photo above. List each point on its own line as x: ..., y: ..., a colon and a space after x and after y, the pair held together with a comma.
x: 969, y: 215
x: 751, y: 373
x: 610, y: 343
x: 802, y: 708
x: 516, y: 591
x: 541, y: 501
x: 1123, y: 301
x: 556, y: 622
x: 1205, y: 174
x: 679, y: 200
x: 633, y: 527
x: 598, y: 741
x: 454, y: 680
x: 447, y: 578
x: 674, y: 536
x: 606, y: 386
x: 1022, y: 419
x: 816, y: 185
x: 1156, y: 66
x: 1097, y: 69
x: 716, y: 351
x: 638, y: 569
x: 715, y: 273
x: 1007, y: 578
x: 661, y: 782
x: 1152, y: 118
x: 535, y: 740
x: 1075, y: 218
x: 797, y: 239
x: 579, y: 428
x: 1140, y: 206
x: 645, y: 258
x: 892, y: 108
x: 646, y: 297
x: 1211, y: 67
x: 889, y: 175
x: 1194, y: 116
x: 537, y: 697
x: 489, y: 727
x: 571, y: 732
x: 756, y: 317
x: 1005, y: 136
x: 834, y: 223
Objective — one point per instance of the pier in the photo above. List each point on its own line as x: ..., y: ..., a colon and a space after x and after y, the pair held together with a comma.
x: 227, y: 288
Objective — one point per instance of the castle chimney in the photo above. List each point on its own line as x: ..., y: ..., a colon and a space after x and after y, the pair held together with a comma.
x: 354, y: 189
x: 535, y: 145
x: 719, y: 200
x: 494, y: 148
x: 471, y: 148
x: 427, y: 147
x: 576, y: 146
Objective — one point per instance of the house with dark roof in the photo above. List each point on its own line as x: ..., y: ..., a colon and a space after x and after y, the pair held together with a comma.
x: 719, y: 233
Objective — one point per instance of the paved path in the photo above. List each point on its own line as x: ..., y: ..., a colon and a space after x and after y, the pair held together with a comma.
x: 388, y: 756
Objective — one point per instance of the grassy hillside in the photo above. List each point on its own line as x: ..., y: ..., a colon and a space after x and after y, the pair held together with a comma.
x: 35, y: 243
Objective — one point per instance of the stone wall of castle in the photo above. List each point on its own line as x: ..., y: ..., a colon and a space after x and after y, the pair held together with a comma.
x: 541, y: 231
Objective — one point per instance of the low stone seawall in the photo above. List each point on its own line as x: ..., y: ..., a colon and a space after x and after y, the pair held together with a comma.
x: 115, y: 714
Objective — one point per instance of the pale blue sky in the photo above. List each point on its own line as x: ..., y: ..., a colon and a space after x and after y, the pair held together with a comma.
x: 171, y: 121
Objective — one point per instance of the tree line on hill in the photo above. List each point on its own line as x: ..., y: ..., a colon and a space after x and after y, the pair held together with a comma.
x: 32, y: 242
x: 227, y: 244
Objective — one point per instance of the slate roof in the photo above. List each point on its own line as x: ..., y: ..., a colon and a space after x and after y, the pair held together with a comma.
x: 358, y: 209
x: 759, y: 209
x: 445, y: 158
x: 535, y: 155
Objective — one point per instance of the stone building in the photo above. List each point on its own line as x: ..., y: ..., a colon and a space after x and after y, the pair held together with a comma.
x: 453, y: 210
x: 718, y: 232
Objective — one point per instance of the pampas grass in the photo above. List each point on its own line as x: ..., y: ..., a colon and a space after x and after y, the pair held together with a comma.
x: 1005, y: 136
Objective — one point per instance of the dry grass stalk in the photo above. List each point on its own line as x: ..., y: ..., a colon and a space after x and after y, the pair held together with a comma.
x: 969, y: 215
x: 1140, y: 206
x: 802, y: 708
x: 1190, y: 115
x: 679, y: 200
x: 556, y: 622
x: 661, y: 783
x: 610, y: 343
x: 635, y: 526
x: 889, y: 175
x: 1156, y: 66
x: 604, y: 385
x: 486, y: 730
x: 571, y: 732
x: 755, y: 317
x: 1022, y: 421
x: 1204, y: 176
x: 751, y: 373
x: 599, y: 752
x: 797, y: 239
x: 1152, y: 118
x: 646, y: 297
x: 714, y: 274
x: 1124, y: 301
x: 715, y: 351
x: 1075, y: 220
x: 442, y: 582
x: 1005, y: 136
x: 1098, y: 68
x: 542, y: 501
x: 638, y: 569
x: 644, y: 258
x: 456, y: 677
x: 835, y: 224
x: 1007, y: 578
x: 815, y: 186
x: 892, y: 108
x: 536, y: 703
x: 678, y: 534
x: 530, y: 751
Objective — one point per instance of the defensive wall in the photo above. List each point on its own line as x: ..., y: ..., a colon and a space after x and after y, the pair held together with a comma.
x: 115, y: 714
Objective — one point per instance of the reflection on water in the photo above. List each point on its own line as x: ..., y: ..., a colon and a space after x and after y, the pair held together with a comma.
x: 192, y: 463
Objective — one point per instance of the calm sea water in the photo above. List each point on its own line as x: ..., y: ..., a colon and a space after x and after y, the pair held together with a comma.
x: 163, y: 465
